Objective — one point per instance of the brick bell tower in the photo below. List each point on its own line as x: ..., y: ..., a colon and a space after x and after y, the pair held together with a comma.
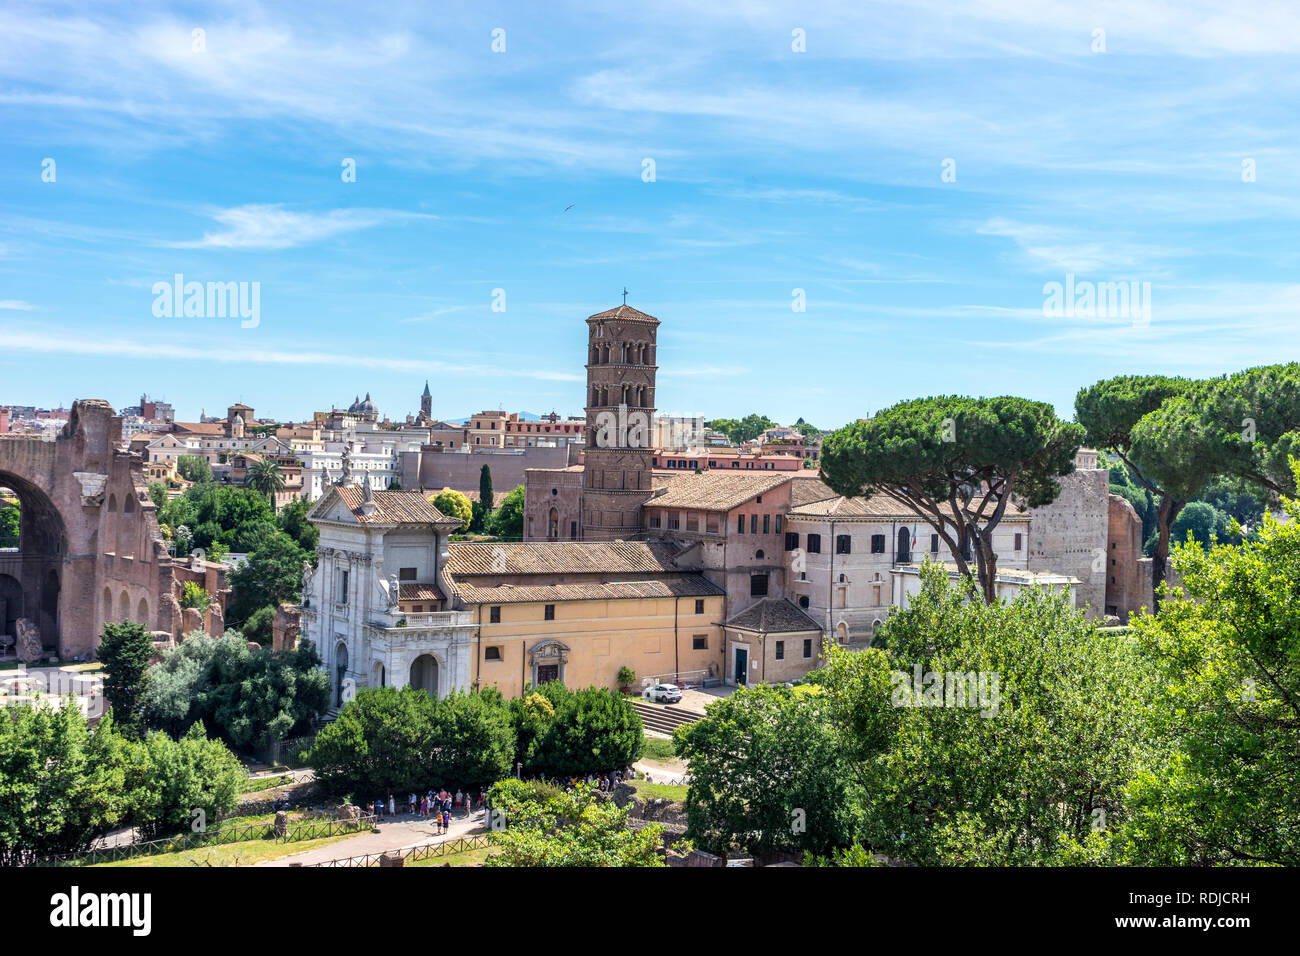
x: 620, y: 417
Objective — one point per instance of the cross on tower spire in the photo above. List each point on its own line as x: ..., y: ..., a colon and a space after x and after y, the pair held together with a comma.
x: 625, y: 295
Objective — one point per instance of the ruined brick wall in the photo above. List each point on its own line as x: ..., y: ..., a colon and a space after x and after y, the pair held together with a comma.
x: 1128, y: 574
x: 1070, y: 535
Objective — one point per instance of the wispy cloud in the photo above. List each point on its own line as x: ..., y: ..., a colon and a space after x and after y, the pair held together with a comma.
x: 16, y: 304
x: 274, y: 227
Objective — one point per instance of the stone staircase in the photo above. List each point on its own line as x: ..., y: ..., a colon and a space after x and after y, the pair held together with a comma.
x: 664, y: 718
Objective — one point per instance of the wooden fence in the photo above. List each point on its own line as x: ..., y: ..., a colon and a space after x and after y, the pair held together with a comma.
x: 426, y: 852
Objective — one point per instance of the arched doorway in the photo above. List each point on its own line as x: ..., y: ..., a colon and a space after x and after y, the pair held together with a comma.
x: 142, y: 612
x: 33, y: 543
x: 340, y: 668
x: 124, y: 607
x: 379, y: 675
x: 424, y: 674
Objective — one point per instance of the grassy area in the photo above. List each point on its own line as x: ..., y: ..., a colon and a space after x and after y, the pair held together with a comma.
x: 463, y: 858
x: 265, y: 783
x: 650, y: 791
x: 229, y: 854
x: 658, y: 748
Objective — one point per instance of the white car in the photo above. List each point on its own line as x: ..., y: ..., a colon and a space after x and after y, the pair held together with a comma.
x: 665, y: 694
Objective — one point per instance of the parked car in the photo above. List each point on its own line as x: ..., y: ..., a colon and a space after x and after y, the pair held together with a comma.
x: 666, y: 694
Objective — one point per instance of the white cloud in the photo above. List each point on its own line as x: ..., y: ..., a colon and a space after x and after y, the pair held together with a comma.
x: 16, y: 304
x: 274, y: 227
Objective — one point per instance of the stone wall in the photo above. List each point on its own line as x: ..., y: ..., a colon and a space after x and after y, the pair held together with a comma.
x: 1128, y: 573
x: 1069, y: 536
x: 433, y: 469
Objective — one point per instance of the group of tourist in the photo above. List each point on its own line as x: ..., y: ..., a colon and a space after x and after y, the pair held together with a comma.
x: 604, y: 782
x: 439, y: 805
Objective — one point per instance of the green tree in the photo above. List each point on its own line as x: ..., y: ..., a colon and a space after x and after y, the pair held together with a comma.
x: 267, y: 477
x: 742, y: 430
x: 958, y: 463
x: 158, y: 494
x: 593, y: 730
x: 193, y: 468
x: 401, y: 740
x: 193, y: 596
x: 1001, y: 734
x: 125, y: 650
x: 767, y: 773
x: 485, y: 487
x: 10, y: 522
x: 507, y: 522
x: 1227, y: 642
x: 546, y: 826
x: 454, y: 504
x: 171, y: 779
x: 62, y: 784
x: 293, y: 522
x: 271, y: 576
x: 1203, y: 522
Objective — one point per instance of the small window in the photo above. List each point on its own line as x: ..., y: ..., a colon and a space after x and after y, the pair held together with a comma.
x: 780, y: 650
x: 758, y: 500
x: 814, y: 544
x: 406, y: 574
x: 699, y: 605
x: 934, y: 544
x: 494, y: 614
x: 844, y: 543
x: 807, y: 647
x: 654, y: 520
x: 674, y: 520
x: 767, y: 524
x: 791, y: 540
x: 700, y: 642
x: 549, y: 612
x: 343, y: 588
x: 740, y: 524
x: 758, y: 585
x: 877, y: 544
x: 711, y: 523
x: 777, y: 525
x: 492, y: 653
x: 753, y: 524
x: 803, y: 601
x: 1019, y: 540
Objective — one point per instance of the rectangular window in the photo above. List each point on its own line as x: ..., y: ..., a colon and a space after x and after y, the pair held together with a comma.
x: 654, y: 520
x: 492, y: 653
x: 406, y: 574
x: 692, y: 521
x: 934, y: 544
x: 807, y: 647
x: 674, y: 520
x: 791, y: 540
x: 814, y: 544
x: 780, y: 650
x: 877, y: 544
x: 844, y: 543
x: 699, y: 605
x: 711, y: 524
x: 740, y: 524
x: 343, y: 588
x: 758, y: 585
x: 700, y: 642
x: 573, y: 530
x: 1018, y: 541
x: 494, y: 615
x: 549, y: 613
x: 767, y: 524
x: 753, y: 524
x: 777, y: 525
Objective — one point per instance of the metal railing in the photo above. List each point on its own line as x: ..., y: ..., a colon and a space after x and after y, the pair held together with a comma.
x: 427, y: 851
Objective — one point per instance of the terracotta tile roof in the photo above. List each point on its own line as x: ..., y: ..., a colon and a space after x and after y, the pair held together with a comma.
x: 686, y: 585
x: 200, y: 428
x: 713, y: 491
x: 395, y: 507
x: 624, y: 312
x: 877, y: 507
x: 809, y: 488
x: 418, y: 591
x: 554, y: 557
x: 773, y: 616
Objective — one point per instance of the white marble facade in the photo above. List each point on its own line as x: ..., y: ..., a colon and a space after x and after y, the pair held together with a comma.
x: 350, y: 601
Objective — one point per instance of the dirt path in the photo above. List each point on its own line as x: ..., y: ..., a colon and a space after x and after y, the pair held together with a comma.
x: 403, y: 832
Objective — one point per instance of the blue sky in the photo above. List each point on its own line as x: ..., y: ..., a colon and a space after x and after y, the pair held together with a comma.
x: 775, y: 170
